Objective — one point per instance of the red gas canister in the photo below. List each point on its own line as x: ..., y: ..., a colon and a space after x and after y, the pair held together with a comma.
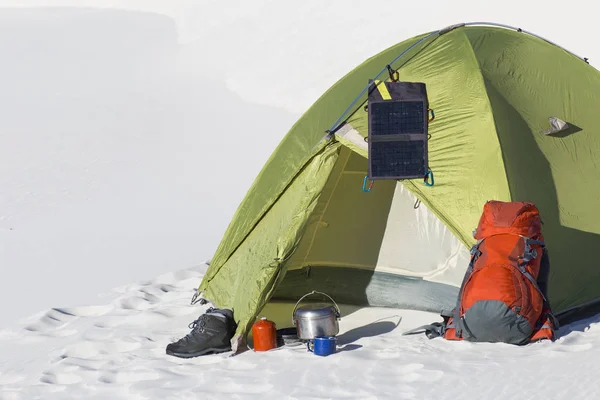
x: 264, y: 334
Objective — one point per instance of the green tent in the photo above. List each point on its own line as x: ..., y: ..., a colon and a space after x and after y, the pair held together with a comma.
x: 307, y: 224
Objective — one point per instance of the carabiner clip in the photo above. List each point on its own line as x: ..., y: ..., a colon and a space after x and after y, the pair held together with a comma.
x: 430, y: 111
x: 364, y: 187
x: 428, y: 178
x: 394, y: 75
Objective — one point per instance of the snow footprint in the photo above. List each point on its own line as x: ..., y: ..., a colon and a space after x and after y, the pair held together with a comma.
x: 83, y: 350
x: 56, y: 318
x: 83, y: 364
x: 87, y: 311
x: 108, y: 323
x: 135, y: 303
x: 71, y: 371
x: 60, y: 378
x: 159, y: 290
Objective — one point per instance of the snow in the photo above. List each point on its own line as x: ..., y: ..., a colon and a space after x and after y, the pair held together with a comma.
x: 116, y: 350
x: 130, y: 132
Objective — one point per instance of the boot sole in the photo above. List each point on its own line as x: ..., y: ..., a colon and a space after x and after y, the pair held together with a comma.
x: 210, y: 350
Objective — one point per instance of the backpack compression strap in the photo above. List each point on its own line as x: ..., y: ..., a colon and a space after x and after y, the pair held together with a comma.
x: 528, y: 255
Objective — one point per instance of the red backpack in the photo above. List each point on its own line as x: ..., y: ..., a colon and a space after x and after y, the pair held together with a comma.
x: 500, y: 299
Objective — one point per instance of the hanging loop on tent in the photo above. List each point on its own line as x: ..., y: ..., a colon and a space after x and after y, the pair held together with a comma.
x: 417, y: 204
x: 428, y: 178
x: 364, y: 187
x: 394, y: 74
x: 196, y: 299
x: 430, y: 110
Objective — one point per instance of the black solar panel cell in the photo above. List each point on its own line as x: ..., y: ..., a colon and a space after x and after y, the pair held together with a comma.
x: 398, y: 159
x: 397, y: 117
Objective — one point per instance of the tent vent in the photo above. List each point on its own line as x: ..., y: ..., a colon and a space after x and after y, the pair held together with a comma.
x: 398, y: 130
x: 556, y: 125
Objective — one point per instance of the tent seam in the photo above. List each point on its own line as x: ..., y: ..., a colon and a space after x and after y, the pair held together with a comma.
x: 337, y: 182
x: 467, y: 241
x: 307, y: 160
x: 483, y: 80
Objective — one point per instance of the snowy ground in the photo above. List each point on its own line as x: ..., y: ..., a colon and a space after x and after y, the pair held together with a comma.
x: 116, y: 350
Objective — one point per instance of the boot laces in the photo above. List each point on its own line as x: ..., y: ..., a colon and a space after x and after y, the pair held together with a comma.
x: 197, y: 326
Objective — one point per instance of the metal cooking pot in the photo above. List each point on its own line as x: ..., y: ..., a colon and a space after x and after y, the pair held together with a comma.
x: 313, y: 322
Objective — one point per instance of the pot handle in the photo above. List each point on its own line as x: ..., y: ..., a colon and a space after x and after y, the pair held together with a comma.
x: 338, y: 313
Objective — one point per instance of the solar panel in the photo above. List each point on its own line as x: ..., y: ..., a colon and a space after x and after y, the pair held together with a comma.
x: 398, y: 130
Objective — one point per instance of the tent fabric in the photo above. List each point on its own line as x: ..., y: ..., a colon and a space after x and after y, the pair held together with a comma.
x: 493, y: 91
x: 417, y: 243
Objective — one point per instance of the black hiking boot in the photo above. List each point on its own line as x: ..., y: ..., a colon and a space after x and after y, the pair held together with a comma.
x: 211, y: 333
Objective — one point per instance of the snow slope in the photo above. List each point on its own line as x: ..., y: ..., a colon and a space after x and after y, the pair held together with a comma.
x: 116, y: 350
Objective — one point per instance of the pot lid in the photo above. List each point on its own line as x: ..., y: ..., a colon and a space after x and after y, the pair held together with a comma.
x: 323, y: 312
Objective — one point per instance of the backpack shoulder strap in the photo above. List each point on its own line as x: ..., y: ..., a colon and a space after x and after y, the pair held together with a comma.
x: 457, y: 322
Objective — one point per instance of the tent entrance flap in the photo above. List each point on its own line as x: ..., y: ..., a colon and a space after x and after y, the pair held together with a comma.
x: 262, y: 255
